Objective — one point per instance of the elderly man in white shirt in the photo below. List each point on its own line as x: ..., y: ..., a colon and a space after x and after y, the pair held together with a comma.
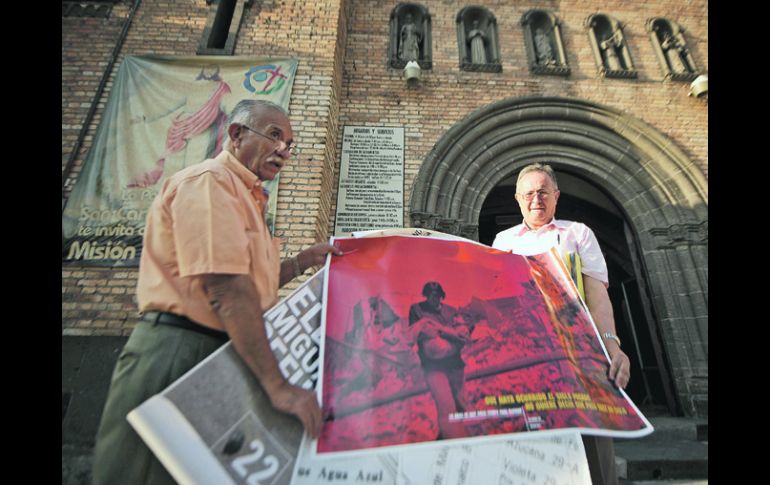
x: 537, y: 193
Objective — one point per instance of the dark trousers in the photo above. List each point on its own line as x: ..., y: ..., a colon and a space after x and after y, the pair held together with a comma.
x: 600, y: 453
x: 153, y: 358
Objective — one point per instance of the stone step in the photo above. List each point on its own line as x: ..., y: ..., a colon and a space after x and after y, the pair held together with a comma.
x: 673, y: 462
x: 662, y: 482
x: 661, y: 460
x: 671, y: 428
x: 677, y: 450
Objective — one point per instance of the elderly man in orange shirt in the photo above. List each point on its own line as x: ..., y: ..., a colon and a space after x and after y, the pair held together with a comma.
x: 209, y: 269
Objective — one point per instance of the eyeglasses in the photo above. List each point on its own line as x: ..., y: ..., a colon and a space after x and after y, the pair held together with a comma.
x: 541, y: 194
x: 275, y: 137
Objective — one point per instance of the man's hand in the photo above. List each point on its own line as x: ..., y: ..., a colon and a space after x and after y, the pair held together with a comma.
x: 236, y: 303
x: 316, y: 255
x: 620, y: 365
x: 312, y: 256
x: 299, y: 402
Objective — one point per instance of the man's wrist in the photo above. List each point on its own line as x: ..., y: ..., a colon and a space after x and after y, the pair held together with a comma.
x: 271, y: 386
x: 295, y: 264
x: 611, y: 336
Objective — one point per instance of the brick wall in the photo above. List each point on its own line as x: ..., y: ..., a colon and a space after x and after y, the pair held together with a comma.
x: 343, y: 79
x: 376, y: 95
x: 100, y: 301
x: 87, y: 46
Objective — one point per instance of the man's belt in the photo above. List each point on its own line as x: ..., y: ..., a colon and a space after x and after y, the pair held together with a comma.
x: 174, y: 320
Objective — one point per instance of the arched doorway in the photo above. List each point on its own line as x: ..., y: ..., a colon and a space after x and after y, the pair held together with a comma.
x: 651, y: 387
x: 650, y: 186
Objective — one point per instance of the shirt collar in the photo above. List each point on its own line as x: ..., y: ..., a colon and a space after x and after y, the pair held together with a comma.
x: 243, y: 173
x: 522, y: 228
x: 247, y: 176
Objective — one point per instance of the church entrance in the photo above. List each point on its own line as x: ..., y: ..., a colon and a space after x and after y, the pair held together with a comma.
x: 650, y: 386
x: 640, y: 194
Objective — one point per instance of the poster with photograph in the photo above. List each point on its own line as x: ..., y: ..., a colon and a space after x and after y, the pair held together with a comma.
x: 215, y: 425
x: 428, y: 340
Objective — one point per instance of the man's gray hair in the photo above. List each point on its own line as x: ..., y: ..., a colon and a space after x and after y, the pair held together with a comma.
x: 245, y: 113
x: 539, y: 167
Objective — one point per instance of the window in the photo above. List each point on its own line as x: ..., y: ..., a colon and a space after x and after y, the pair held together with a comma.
x: 91, y: 8
x: 222, y: 26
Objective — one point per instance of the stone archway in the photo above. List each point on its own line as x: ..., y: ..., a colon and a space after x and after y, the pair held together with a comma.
x: 663, y: 196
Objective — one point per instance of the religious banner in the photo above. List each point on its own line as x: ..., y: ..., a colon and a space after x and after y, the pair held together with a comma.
x: 430, y: 342
x: 163, y: 114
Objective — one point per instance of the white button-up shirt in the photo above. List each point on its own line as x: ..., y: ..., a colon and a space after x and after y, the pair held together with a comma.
x: 567, y: 236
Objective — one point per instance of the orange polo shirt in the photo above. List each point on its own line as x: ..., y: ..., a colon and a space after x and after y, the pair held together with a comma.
x: 207, y: 218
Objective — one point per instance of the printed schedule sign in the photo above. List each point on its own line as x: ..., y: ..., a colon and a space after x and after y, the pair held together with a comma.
x: 371, y: 191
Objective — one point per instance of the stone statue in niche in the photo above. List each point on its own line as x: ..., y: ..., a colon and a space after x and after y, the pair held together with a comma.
x: 477, y: 40
x: 676, y: 54
x: 545, y: 55
x: 410, y: 40
x: 611, y: 47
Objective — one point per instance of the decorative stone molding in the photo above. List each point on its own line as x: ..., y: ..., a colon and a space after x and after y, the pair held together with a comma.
x: 703, y: 231
x: 471, y: 67
x: 495, y: 141
x: 677, y: 235
x: 424, y: 219
x: 448, y: 226
x: 469, y: 231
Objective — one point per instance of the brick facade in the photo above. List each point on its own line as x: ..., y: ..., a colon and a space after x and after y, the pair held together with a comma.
x: 98, y: 301
x: 343, y: 79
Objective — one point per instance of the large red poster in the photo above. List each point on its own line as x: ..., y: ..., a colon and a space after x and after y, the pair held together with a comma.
x: 429, y: 339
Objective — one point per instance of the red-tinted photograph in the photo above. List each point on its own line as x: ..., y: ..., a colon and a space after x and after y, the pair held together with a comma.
x: 429, y: 340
